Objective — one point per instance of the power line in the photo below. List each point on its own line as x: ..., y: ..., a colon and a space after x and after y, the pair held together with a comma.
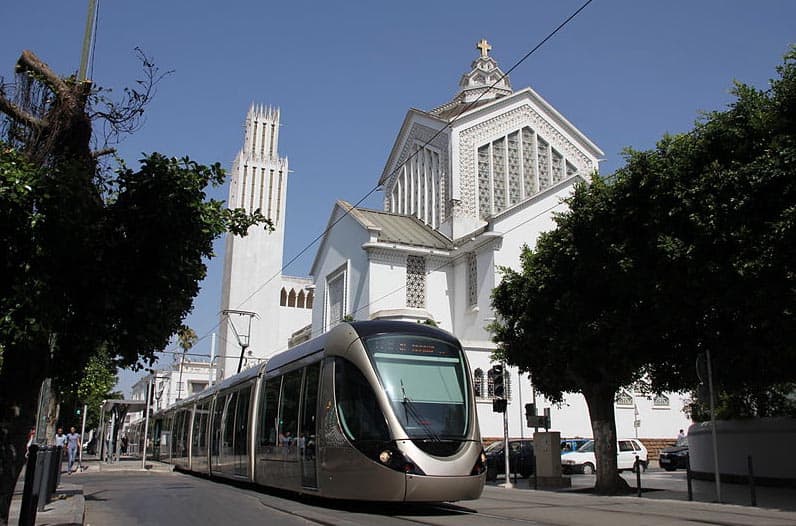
x: 449, y: 124
x: 370, y: 192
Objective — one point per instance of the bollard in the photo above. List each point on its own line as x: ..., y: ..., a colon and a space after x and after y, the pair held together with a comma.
x: 27, y: 512
x: 688, y: 479
x: 752, y: 491
x: 637, y: 469
x: 54, y: 465
x: 43, y: 471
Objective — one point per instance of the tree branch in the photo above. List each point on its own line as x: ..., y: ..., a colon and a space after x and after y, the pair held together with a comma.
x: 19, y: 115
x: 28, y: 61
x: 104, y: 151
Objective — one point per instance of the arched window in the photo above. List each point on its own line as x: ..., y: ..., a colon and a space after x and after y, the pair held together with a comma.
x: 624, y: 399
x: 283, y: 297
x: 478, y: 383
x: 291, y: 298
x: 300, y: 300
x: 310, y: 297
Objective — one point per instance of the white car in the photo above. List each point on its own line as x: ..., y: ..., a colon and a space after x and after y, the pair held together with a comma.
x: 582, y: 460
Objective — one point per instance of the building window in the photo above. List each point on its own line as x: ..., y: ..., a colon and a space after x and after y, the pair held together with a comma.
x: 478, y: 383
x: 308, y: 303
x: 415, y: 281
x: 283, y: 297
x: 335, y: 297
x: 291, y: 298
x: 300, y: 300
x: 660, y: 401
x: 624, y: 399
x: 472, y: 279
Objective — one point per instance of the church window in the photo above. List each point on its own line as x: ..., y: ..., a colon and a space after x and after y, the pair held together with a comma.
x: 283, y: 297
x: 254, y: 189
x: 557, y: 166
x: 415, y: 281
x: 513, y: 146
x: 300, y: 300
x: 499, y: 174
x: 310, y: 297
x: 270, y: 195
x: 660, y: 401
x: 279, y: 198
x: 335, y: 297
x: 478, y: 383
x: 624, y: 399
x: 484, y: 185
x: 291, y: 298
x: 262, y: 141
x: 271, y: 148
x: 262, y: 187
x: 528, y: 162
x: 472, y: 279
x: 243, y: 189
x: 571, y: 169
x: 544, y: 163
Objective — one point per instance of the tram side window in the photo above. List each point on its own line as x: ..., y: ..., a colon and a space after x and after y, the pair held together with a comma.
x: 218, y: 412
x: 242, y: 422
x: 289, y: 407
x: 199, y: 426
x: 269, y: 405
x: 229, y: 423
x: 357, y: 407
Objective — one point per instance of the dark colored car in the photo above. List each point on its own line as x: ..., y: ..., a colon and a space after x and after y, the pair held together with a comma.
x: 521, y: 458
x: 676, y: 456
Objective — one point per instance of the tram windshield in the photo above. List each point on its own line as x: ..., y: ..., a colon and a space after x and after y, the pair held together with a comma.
x: 426, y: 382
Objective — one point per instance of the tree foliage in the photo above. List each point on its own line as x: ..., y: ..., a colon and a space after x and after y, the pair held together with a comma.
x: 94, y: 260
x: 689, y: 247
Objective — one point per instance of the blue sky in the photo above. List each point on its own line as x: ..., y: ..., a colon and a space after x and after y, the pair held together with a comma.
x: 345, y: 73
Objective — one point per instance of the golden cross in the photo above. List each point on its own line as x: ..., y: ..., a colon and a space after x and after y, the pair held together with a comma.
x: 484, y: 46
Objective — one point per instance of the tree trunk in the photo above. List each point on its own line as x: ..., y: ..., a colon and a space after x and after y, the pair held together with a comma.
x: 20, y: 379
x: 600, y: 400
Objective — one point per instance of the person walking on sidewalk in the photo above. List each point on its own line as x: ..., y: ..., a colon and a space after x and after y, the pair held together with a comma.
x: 72, y: 447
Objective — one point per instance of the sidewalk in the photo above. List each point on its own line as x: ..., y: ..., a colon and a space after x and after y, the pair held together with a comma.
x: 68, y: 505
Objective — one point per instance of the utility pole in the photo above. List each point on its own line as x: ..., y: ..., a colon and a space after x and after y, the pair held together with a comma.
x: 88, y: 38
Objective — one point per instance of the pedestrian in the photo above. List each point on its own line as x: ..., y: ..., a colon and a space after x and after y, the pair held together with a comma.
x: 680, y: 435
x: 60, y: 441
x: 31, y: 437
x: 72, y: 448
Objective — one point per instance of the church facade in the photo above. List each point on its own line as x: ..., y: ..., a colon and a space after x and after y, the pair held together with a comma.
x: 466, y: 186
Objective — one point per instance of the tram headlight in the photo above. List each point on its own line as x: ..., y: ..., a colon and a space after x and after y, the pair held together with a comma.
x: 480, y: 464
x: 385, y: 456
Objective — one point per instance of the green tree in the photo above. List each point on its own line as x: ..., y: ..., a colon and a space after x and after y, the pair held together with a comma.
x: 687, y: 248
x: 95, y: 259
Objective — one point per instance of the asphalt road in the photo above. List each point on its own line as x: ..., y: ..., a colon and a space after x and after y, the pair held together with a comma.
x: 175, y: 499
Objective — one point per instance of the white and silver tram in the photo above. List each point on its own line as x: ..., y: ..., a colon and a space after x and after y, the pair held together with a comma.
x: 371, y: 410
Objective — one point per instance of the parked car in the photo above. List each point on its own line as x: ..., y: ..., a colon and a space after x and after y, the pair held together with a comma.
x: 569, y: 445
x: 521, y: 458
x: 583, y: 461
x: 676, y: 456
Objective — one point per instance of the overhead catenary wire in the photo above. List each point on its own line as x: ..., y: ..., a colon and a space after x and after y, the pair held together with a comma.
x: 376, y: 187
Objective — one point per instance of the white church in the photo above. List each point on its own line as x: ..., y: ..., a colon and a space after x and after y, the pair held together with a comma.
x: 466, y: 185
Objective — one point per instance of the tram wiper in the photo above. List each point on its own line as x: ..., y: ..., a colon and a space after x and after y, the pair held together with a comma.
x: 411, y: 410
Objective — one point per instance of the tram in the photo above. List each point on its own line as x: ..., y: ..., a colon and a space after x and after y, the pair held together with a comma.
x: 371, y: 410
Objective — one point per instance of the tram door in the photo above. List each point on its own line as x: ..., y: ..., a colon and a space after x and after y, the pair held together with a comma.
x: 308, y: 430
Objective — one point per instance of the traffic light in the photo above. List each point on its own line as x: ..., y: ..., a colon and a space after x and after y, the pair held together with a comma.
x: 530, y: 414
x: 77, y: 411
x: 498, y: 381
